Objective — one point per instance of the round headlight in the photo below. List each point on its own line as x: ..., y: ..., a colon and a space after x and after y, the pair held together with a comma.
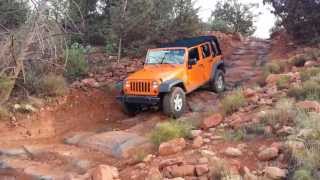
x: 127, y: 84
x: 155, y: 84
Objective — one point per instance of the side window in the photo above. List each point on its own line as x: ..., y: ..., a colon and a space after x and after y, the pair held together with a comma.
x: 214, y: 48
x: 194, y: 54
x: 205, y: 50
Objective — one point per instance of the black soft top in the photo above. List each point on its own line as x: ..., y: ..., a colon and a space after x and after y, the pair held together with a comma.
x: 191, y: 42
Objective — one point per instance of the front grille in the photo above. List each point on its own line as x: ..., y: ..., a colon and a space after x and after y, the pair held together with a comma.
x: 140, y: 87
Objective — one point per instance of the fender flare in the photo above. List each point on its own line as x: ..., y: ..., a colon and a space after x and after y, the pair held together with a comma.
x: 215, y: 67
x: 166, y: 86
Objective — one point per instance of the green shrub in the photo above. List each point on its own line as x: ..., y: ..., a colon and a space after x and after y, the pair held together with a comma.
x: 232, y: 102
x: 309, y: 90
x: 298, y: 60
x: 284, y: 112
x: 53, y: 85
x: 4, y: 113
x: 302, y: 174
x: 5, y: 85
x: 234, y: 135
x: 170, y: 130
x: 77, y: 66
x: 309, y: 73
x: 273, y: 68
x: 283, y: 82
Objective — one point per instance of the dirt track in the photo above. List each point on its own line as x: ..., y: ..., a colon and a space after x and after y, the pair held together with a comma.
x: 36, y: 147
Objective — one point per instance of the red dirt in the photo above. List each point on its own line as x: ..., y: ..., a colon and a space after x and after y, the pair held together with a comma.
x: 78, y: 111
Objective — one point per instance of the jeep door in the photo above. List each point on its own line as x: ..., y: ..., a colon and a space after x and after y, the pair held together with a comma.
x: 208, y: 59
x: 195, y: 72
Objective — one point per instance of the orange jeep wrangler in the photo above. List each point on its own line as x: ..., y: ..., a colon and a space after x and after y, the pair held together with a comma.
x: 172, y: 71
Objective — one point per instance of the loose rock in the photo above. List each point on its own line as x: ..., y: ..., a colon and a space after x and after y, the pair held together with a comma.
x: 233, y: 152
x: 212, y: 121
x: 172, y: 147
x: 275, y: 173
x: 268, y: 154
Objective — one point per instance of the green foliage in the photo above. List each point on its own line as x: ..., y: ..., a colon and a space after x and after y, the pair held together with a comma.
x: 4, y: 113
x: 309, y: 90
x: 302, y: 174
x: 77, y: 66
x: 220, y: 25
x: 233, y: 101
x: 234, y: 135
x: 13, y: 13
x: 5, y: 85
x: 283, y: 82
x: 106, y: 22
x: 237, y: 17
x: 304, y: 29
x: 284, y: 112
x: 53, y: 85
x: 170, y: 130
x: 274, y: 67
x: 298, y: 60
x: 309, y: 73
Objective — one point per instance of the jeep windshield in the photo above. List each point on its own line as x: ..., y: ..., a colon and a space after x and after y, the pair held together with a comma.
x: 165, y: 56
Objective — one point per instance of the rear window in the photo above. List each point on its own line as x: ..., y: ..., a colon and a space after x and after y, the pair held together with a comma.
x: 194, y: 54
x: 205, y: 51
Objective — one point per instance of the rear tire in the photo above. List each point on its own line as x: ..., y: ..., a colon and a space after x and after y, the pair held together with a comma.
x: 218, y: 83
x: 174, y: 103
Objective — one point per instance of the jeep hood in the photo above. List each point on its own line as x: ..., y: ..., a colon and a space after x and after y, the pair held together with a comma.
x: 157, y: 72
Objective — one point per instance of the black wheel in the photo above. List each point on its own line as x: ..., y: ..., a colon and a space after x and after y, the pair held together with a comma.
x: 174, y: 103
x: 130, y: 109
x: 218, y: 83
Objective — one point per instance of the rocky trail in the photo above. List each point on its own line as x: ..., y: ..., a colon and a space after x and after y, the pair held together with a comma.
x: 87, y: 128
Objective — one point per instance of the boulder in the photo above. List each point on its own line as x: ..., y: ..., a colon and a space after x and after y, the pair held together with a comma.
x: 309, y: 105
x: 104, y: 172
x: 197, y: 142
x: 275, y: 173
x: 249, y: 93
x: 248, y: 175
x: 268, y: 154
x: 212, y: 121
x: 182, y: 171
x: 202, y: 169
x: 172, y: 147
x: 285, y: 131
x: 310, y: 63
x: 119, y: 144
x: 195, y: 133
x: 90, y: 82
x: 154, y: 174
x: 233, y: 152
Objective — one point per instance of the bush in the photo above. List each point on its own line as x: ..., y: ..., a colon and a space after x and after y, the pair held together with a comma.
x: 170, y: 130
x: 284, y: 113
x: 233, y: 102
x: 53, y: 85
x: 302, y: 174
x: 4, y: 113
x: 309, y: 73
x: 298, y: 60
x: 309, y: 90
x: 234, y: 135
x: 5, y: 85
x: 273, y: 68
x: 283, y: 82
x: 77, y: 66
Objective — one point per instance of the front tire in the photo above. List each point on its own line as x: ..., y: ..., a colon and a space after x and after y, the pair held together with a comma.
x: 218, y: 83
x: 130, y: 109
x: 174, y: 103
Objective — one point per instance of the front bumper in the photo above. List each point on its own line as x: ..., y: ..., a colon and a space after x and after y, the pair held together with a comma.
x: 146, y: 100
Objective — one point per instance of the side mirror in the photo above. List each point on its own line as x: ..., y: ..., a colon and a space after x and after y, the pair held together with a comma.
x: 192, y: 61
